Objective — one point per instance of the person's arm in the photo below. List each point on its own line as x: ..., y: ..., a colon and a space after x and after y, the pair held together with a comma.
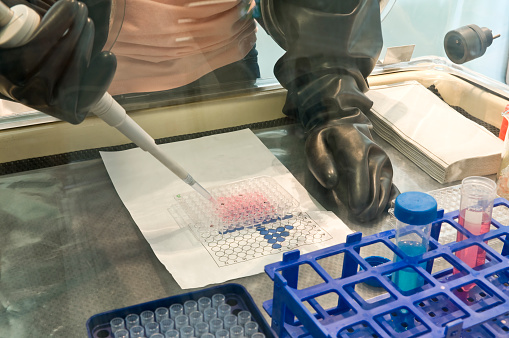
x: 331, y: 48
x: 61, y: 70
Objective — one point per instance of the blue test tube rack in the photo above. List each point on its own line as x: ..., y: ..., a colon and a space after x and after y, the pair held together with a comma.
x: 458, y: 301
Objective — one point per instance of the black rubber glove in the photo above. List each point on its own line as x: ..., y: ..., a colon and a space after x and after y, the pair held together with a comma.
x: 331, y: 47
x: 56, y: 72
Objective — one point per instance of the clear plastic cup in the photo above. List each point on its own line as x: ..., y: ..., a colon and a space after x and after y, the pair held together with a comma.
x: 250, y: 328
x: 161, y: 313
x: 181, y: 321
x: 190, y: 306
x: 176, y: 310
x: 204, y: 303
x: 223, y: 310
x: 258, y: 335
x: 218, y: 299
x: 122, y: 333
x: 222, y: 333
x: 137, y: 331
x: 151, y: 328
x: 147, y: 317
x: 229, y: 321
x: 244, y: 317
x: 186, y: 332
x: 215, y: 325
x: 117, y: 324
x: 201, y: 328
x: 166, y: 324
x: 171, y: 334
x: 195, y: 317
x: 132, y: 320
x: 209, y: 314
x: 236, y: 331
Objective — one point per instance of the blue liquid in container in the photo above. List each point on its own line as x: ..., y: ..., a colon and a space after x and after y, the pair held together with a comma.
x: 408, y: 279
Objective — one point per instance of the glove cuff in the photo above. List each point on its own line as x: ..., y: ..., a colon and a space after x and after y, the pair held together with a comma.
x: 330, y: 51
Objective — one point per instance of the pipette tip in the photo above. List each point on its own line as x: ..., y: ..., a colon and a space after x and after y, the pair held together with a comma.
x: 202, y: 191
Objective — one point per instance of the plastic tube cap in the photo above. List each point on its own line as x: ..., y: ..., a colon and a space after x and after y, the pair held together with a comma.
x: 416, y: 208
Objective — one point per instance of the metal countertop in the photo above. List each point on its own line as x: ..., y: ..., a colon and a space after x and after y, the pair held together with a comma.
x: 69, y: 248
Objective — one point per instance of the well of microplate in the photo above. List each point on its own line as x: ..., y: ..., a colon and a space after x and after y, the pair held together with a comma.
x: 238, y: 205
x: 249, y: 219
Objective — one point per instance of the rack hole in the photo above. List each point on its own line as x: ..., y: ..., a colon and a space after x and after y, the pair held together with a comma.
x: 376, y: 249
x: 333, y: 264
x: 445, y: 309
x: 444, y: 269
x: 476, y: 257
x: 103, y: 334
x: 405, y: 320
x: 307, y: 276
x: 448, y: 234
x: 232, y: 302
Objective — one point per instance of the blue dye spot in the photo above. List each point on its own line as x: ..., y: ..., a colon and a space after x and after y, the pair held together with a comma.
x: 272, y: 240
x: 267, y: 236
x: 280, y: 229
x: 280, y: 239
x: 276, y: 246
x: 289, y: 227
x: 271, y: 231
x: 264, y: 232
x: 285, y: 233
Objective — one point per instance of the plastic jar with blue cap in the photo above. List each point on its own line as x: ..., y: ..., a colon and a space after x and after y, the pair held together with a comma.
x: 415, y: 212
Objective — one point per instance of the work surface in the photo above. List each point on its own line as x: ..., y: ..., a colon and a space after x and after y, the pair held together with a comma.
x: 69, y: 248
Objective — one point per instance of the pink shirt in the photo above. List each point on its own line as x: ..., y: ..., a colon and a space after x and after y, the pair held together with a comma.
x: 165, y: 44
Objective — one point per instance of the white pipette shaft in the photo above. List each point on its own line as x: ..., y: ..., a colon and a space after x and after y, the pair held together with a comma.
x: 112, y: 113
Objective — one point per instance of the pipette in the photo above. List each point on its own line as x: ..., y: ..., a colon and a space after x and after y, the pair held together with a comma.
x: 18, y: 23
x: 115, y: 115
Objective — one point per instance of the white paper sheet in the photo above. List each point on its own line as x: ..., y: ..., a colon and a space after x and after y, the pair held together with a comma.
x: 148, y: 189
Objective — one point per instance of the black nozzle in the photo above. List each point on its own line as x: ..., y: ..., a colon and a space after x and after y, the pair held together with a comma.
x: 467, y: 43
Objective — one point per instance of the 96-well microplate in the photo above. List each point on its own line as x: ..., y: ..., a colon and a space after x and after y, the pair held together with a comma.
x: 249, y: 219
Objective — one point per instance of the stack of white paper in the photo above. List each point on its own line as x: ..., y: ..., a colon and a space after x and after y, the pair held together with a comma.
x: 442, y: 142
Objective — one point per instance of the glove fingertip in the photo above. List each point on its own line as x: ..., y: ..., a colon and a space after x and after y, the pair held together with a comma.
x: 327, y: 176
